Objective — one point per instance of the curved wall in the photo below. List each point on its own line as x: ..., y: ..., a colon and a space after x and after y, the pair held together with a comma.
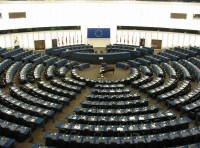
x: 88, y: 14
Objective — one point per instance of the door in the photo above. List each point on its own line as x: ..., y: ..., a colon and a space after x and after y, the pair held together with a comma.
x: 156, y: 44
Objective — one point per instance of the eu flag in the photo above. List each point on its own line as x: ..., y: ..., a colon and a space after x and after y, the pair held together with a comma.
x: 98, y: 33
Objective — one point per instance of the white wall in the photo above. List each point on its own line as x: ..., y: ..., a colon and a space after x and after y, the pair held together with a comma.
x: 169, y: 39
x: 103, y: 14
x: 26, y: 40
x: 132, y: 37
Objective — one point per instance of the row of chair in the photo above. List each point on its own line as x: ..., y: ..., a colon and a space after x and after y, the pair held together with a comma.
x: 60, y: 63
x: 20, y: 56
x: 189, y: 52
x: 30, y: 58
x: 38, y: 71
x: 153, y: 60
x: 41, y: 102
x: 143, y: 61
x: 32, y: 90
x: 72, y: 81
x: 143, y: 80
x: 55, y: 90
x: 163, y: 59
x: 170, y: 70
x: 23, y: 73
x: 179, y: 67
x: 65, y: 86
x: 123, y: 130
x: 20, y: 118
x: 50, y: 61
x: 112, y: 97
x: 121, y: 120
x: 4, y: 65
x: 7, y: 142
x: 39, y: 59
x: 114, y: 104
x: 157, y: 70
x: 9, y: 54
x: 152, y: 84
x: 166, y: 87
x: 49, y: 72
x: 170, y: 56
x: 178, y: 54
x: 15, y: 131
x: 109, y: 86
x: 11, y: 71
x: 117, y: 112
x: 91, y: 82
x: 25, y: 107
x: 177, y: 138
x: 183, y: 89
x: 146, y: 71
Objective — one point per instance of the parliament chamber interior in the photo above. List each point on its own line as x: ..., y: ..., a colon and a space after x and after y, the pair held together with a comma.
x: 127, y: 86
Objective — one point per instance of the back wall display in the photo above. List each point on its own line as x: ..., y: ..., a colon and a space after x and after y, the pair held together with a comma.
x: 98, y: 33
x: 39, y: 44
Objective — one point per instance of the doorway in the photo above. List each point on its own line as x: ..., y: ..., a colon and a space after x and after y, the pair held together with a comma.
x: 156, y: 44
